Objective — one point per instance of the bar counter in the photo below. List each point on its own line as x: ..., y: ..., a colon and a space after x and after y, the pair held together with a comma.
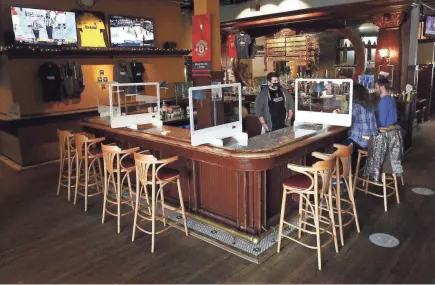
x: 238, y: 188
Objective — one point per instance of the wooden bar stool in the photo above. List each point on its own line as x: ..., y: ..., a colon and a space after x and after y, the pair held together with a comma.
x: 343, y: 157
x: 152, y: 172
x: 88, y: 154
x: 117, y: 168
x: 387, y: 182
x: 67, y: 155
x: 313, y: 185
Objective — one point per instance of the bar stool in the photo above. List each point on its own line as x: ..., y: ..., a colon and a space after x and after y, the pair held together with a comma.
x: 87, y: 155
x: 117, y: 168
x: 67, y: 155
x: 152, y: 172
x: 343, y: 172
x: 313, y: 185
x: 388, y: 182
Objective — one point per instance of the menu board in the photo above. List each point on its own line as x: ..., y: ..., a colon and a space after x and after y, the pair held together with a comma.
x: 299, y: 50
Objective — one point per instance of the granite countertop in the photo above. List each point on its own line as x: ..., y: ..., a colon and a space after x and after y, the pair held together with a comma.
x: 274, y: 139
x: 261, y: 143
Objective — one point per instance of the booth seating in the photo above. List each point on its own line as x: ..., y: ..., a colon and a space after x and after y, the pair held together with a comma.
x: 67, y: 153
x: 343, y: 173
x: 118, y: 164
x: 388, y: 178
x: 153, y: 172
x: 313, y: 185
x: 88, y: 155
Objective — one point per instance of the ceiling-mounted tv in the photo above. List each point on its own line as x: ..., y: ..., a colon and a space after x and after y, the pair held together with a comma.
x: 131, y: 32
x: 429, y: 26
x: 43, y: 27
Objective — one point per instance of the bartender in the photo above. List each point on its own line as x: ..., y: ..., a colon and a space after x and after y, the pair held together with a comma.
x: 274, y: 106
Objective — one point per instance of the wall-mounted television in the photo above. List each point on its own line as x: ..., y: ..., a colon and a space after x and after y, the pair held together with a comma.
x: 131, y: 32
x: 43, y: 27
x: 429, y: 26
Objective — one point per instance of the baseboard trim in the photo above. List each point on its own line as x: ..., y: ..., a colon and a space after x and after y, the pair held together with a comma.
x: 18, y: 167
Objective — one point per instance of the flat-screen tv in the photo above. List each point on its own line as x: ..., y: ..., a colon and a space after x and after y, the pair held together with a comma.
x: 44, y: 27
x: 131, y: 32
x: 429, y: 26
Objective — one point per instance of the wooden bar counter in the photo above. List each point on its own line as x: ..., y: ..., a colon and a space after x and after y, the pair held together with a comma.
x: 237, y: 188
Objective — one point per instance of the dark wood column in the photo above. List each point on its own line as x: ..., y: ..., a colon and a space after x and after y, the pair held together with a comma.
x: 390, y: 37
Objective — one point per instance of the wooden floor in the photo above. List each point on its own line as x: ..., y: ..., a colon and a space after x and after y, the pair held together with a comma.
x: 44, y: 239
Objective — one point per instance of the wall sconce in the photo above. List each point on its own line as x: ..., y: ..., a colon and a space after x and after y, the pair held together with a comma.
x: 385, y: 53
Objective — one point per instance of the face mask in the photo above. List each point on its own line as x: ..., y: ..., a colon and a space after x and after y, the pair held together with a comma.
x: 274, y: 86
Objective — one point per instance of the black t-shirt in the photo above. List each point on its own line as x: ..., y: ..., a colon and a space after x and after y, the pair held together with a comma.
x: 49, y: 74
x: 122, y: 72
x: 242, y: 44
x: 277, y: 109
x: 137, y: 74
x: 137, y: 71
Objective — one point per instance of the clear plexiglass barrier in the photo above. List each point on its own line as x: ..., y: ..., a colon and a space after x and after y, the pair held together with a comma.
x: 133, y: 104
x: 324, y: 101
x: 224, y: 103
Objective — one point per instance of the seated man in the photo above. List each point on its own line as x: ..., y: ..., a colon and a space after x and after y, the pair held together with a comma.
x: 386, y: 112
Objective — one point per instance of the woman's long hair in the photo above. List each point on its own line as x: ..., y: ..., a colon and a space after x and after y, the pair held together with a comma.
x: 361, y: 97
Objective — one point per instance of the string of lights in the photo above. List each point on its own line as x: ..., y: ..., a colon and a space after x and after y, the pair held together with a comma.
x: 16, y: 50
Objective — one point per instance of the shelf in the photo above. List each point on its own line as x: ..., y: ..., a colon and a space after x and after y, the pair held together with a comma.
x: 18, y: 52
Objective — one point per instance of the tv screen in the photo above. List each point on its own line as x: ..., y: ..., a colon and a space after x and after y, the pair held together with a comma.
x: 131, y: 32
x: 44, y: 27
x: 429, y: 26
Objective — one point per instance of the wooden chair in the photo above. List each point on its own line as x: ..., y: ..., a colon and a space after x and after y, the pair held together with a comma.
x: 152, y: 172
x: 87, y: 156
x: 313, y: 185
x: 118, y: 164
x: 387, y: 181
x: 67, y: 155
x: 343, y: 156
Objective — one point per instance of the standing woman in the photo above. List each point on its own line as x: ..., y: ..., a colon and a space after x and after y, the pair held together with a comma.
x: 274, y: 106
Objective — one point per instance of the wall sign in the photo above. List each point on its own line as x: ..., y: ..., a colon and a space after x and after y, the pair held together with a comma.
x: 201, y: 43
x: 14, y: 111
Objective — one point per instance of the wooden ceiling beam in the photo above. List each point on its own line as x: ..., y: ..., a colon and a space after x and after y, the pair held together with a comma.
x: 361, y: 10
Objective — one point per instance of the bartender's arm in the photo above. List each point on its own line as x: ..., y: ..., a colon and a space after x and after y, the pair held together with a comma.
x: 290, y: 105
x: 263, y: 123
x: 290, y: 115
x: 259, y: 110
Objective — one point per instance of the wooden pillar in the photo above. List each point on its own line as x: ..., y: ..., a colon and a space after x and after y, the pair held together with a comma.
x: 390, y: 37
x: 205, y: 108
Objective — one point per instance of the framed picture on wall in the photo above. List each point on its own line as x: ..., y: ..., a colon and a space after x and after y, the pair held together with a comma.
x: 387, y: 74
x: 91, y: 29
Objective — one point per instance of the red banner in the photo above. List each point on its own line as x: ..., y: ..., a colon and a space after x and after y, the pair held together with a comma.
x: 201, y: 43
